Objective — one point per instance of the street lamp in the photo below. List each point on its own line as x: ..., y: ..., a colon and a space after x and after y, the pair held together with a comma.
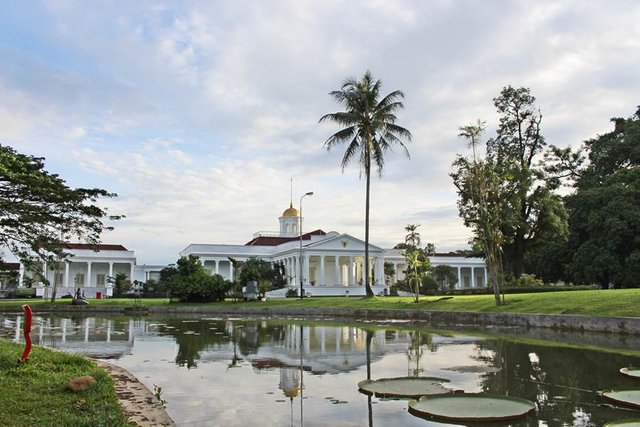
x: 310, y: 193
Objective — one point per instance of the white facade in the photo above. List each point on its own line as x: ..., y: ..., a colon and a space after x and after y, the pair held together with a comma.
x: 89, y: 269
x: 321, y: 263
x: 332, y: 263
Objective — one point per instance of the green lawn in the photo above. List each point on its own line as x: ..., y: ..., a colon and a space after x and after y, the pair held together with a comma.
x: 620, y: 302
x: 35, y: 393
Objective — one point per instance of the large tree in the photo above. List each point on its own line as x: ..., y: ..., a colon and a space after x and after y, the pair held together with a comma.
x: 40, y: 214
x: 369, y: 130
x: 525, y: 208
x: 604, y: 221
x: 191, y: 282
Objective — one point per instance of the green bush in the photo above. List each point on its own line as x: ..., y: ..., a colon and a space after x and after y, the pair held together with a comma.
x: 22, y: 293
x: 429, y: 286
x: 291, y: 293
x: 524, y: 281
x: 192, y: 283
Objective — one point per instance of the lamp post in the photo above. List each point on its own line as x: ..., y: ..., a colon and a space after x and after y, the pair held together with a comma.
x: 310, y: 193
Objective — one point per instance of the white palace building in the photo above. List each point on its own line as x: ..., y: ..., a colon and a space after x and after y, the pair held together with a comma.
x: 332, y: 263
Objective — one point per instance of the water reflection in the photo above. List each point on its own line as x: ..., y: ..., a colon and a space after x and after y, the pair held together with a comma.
x: 226, y: 371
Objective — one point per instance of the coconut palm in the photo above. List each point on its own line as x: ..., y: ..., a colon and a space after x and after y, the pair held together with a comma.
x: 369, y: 131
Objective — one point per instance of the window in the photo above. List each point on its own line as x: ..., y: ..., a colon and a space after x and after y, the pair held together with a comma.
x: 100, y: 279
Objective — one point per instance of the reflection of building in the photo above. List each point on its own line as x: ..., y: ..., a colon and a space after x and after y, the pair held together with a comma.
x: 290, y: 382
x: 333, y: 263
x: 104, y: 338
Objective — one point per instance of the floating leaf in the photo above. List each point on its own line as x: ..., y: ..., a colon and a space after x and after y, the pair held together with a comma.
x: 631, y: 372
x: 412, y: 387
x: 624, y: 397
x: 472, y: 407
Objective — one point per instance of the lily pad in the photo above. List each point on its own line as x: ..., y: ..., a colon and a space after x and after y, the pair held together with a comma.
x: 472, y: 407
x: 412, y: 387
x: 631, y: 372
x: 624, y: 423
x: 629, y: 398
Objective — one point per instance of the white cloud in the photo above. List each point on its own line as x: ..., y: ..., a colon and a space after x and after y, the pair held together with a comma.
x: 198, y: 114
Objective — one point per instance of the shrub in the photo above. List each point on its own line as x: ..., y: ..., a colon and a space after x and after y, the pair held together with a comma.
x: 291, y: 293
x: 525, y: 281
x: 429, y: 286
x: 22, y: 293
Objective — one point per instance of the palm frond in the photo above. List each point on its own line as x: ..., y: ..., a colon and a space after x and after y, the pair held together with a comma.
x: 340, y: 137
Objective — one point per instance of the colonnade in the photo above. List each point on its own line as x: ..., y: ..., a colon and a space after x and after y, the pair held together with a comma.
x: 332, y: 270
x: 50, y: 272
x: 464, y: 272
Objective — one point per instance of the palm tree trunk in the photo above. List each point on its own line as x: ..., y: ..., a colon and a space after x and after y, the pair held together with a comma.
x: 366, y: 223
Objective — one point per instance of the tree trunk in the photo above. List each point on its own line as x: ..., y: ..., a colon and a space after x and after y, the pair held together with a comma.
x: 366, y: 224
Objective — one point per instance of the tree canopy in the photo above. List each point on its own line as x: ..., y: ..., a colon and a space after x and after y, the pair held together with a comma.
x: 40, y: 214
x: 370, y: 130
x: 506, y: 195
x: 192, y: 283
x: 604, y: 223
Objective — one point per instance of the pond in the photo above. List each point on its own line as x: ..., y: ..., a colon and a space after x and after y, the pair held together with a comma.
x: 274, y: 372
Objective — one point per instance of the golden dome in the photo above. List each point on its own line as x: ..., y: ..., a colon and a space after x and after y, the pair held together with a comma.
x: 290, y: 211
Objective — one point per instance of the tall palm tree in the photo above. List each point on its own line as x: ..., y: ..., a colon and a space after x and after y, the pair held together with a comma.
x: 369, y: 131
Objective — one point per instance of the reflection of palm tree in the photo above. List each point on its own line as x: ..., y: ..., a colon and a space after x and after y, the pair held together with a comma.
x: 369, y: 337
x: 370, y: 131
x: 415, y: 353
x: 235, y: 359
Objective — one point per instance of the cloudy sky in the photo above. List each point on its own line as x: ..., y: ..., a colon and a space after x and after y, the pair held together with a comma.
x: 199, y: 114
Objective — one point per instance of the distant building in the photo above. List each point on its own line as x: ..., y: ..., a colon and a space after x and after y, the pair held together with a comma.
x: 332, y: 262
x: 89, y: 268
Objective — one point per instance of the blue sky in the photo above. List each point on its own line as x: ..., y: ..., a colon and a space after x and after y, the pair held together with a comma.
x: 198, y: 114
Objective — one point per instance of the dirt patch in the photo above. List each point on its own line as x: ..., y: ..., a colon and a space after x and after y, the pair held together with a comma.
x: 139, y: 405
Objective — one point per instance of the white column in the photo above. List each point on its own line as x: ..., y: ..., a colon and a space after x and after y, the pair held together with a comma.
x: 322, y: 282
x: 394, y: 278
x: 217, y: 266
x: 45, y: 272
x: 88, y: 283
x: 66, y: 273
x: 21, y: 274
x: 230, y: 271
x: 379, y: 271
x: 352, y: 272
x: 111, y: 269
x: 306, y: 270
x: 486, y: 277
x: 460, y: 284
x: 131, y: 274
x: 338, y: 278
x: 473, y: 278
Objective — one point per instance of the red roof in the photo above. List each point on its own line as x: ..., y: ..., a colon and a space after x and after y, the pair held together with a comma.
x: 275, y: 241
x: 8, y: 266
x: 96, y: 248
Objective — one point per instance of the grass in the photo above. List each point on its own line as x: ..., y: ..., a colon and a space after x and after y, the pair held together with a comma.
x: 35, y: 392
x: 608, y: 303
